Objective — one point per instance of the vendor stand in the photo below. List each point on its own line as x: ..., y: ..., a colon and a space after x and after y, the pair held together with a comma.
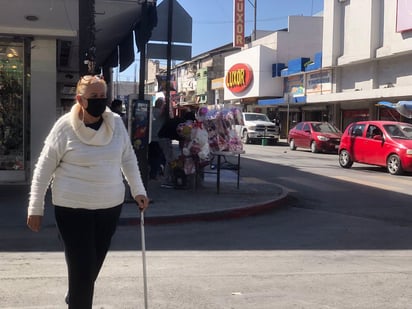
x: 211, y: 135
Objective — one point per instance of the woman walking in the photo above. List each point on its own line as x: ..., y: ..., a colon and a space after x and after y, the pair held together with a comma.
x: 85, y: 156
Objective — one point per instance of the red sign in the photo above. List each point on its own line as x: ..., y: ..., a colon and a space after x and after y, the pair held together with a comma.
x: 239, y: 77
x: 239, y: 23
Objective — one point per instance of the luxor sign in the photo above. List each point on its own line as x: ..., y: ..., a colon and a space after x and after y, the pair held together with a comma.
x: 239, y: 77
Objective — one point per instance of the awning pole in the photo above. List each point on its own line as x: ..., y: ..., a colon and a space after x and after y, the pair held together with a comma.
x: 169, y: 54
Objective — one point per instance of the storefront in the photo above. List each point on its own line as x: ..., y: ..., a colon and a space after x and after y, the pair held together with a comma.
x: 41, y: 59
x: 14, y: 106
x: 353, y: 115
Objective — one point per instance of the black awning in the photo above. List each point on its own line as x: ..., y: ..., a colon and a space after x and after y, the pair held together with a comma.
x: 116, y: 27
x: 126, y: 52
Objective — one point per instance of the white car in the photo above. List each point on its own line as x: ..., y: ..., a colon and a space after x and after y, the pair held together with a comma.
x: 256, y: 127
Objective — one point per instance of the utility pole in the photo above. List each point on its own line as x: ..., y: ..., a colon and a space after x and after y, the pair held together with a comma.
x: 254, y: 20
x: 144, y: 32
x: 254, y: 5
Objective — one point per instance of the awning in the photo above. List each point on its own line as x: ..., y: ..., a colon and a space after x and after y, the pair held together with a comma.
x: 117, y: 22
x: 271, y: 101
x: 278, y: 101
x: 402, y: 107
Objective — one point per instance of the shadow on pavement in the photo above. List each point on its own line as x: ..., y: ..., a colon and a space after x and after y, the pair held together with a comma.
x: 349, y: 216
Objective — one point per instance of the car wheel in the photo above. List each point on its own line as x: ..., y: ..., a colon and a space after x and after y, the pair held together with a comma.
x: 292, y: 145
x: 313, y: 147
x: 245, y: 137
x: 394, y: 165
x: 345, y: 160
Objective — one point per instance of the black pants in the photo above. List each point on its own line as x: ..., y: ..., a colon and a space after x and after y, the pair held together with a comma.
x: 86, y: 236
x: 155, y: 159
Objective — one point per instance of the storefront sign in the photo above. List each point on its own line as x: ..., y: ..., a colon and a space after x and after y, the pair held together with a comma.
x: 239, y: 23
x: 403, y: 16
x: 217, y: 83
x: 294, y: 85
x: 319, y: 83
x: 162, y: 81
x: 239, y: 77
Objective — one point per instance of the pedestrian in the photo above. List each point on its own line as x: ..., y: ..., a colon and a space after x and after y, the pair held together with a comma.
x: 84, y: 156
x: 117, y: 107
x: 168, y: 133
x: 156, y: 159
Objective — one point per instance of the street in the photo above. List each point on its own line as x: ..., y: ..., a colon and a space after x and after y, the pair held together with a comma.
x: 343, y: 241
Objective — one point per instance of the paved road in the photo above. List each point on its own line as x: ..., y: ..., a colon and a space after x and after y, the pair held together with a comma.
x: 338, y: 244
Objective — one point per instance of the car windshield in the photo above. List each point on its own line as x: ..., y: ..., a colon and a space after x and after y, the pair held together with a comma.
x: 402, y: 131
x: 324, y: 127
x: 254, y: 117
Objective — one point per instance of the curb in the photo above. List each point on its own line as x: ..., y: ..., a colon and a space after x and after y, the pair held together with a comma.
x: 223, y: 214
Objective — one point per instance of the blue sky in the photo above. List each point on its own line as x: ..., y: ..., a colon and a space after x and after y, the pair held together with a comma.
x: 213, y: 21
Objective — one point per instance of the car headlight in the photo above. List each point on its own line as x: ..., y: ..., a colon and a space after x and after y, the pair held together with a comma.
x: 252, y: 128
x: 323, y: 138
x: 409, y: 152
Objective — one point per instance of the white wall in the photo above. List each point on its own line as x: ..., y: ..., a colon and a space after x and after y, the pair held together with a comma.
x: 371, y: 60
x: 260, y: 59
x: 42, y: 93
x: 361, y: 30
x: 393, y: 42
x: 303, y: 39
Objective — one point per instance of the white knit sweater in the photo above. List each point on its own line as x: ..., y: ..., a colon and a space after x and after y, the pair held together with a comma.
x: 85, y: 165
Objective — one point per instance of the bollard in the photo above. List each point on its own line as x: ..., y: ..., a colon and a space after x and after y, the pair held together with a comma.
x: 264, y: 141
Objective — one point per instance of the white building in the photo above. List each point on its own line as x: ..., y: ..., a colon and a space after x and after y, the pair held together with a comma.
x: 367, y: 44
x: 302, y: 38
x: 276, y: 62
x: 358, y: 57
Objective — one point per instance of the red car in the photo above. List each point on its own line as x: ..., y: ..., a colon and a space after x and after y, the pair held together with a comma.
x: 381, y: 143
x: 317, y: 136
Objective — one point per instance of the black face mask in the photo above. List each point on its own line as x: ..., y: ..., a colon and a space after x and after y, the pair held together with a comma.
x: 96, y: 107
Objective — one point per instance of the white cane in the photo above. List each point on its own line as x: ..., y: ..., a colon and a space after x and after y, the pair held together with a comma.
x: 143, y: 257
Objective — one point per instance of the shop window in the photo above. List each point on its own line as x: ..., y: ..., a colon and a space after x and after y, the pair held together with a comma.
x: 11, y: 105
x: 350, y: 116
x: 389, y: 114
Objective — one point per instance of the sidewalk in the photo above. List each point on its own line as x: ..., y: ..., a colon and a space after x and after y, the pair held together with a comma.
x: 169, y: 205
x: 204, y: 203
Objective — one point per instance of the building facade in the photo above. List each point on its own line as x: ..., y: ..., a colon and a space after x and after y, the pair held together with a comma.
x: 277, y: 64
x: 45, y: 46
x: 368, y: 52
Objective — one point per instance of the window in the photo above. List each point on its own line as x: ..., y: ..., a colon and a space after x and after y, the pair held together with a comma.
x: 11, y: 105
x: 299, y: 126
x: 373, y: 131
x: 357, y: 130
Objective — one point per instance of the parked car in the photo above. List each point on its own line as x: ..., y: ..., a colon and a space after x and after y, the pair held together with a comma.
x: 316, y: 136
x: 381, y: 143
x: 256, y: 127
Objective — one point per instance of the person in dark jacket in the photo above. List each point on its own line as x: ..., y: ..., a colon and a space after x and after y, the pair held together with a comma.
x: 168, y: 133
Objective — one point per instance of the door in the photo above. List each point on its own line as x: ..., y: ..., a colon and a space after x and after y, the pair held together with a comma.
x: 306, y: 136
x: 373, y: 146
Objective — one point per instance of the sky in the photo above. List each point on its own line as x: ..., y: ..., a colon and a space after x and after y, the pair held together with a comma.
x: 212, y: 25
